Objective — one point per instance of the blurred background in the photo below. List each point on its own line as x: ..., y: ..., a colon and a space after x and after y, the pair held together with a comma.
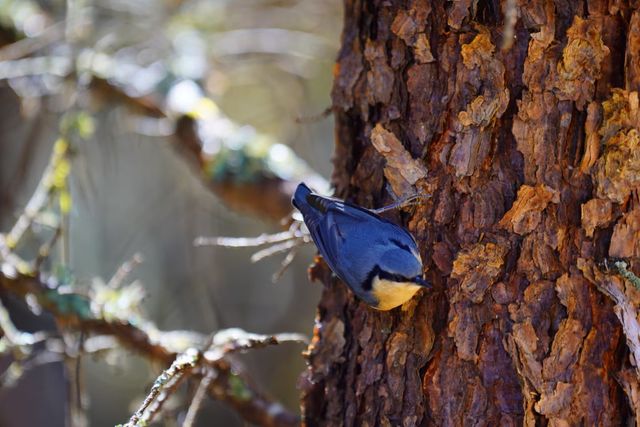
x: 256, y: 68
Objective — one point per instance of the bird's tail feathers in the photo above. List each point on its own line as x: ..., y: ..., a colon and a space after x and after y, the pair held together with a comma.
x: 300, y: 197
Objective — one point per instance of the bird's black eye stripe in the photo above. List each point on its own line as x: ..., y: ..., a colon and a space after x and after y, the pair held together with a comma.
x: 377, y: 271
x: 401, y: 245
x: 393, y: 277
x: 368, y: 282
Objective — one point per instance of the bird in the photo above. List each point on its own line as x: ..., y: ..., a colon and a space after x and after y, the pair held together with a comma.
x: 377, y: 259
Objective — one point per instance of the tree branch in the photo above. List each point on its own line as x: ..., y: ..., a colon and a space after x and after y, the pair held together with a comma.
x: 230, y: 387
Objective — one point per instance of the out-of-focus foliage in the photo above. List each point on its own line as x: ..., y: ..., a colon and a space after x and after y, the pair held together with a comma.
x: 260, y: 60
x: 113, y: 64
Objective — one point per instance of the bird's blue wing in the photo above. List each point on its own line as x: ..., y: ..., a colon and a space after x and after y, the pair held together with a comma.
x: 326, y: 231
x: 346, y: 235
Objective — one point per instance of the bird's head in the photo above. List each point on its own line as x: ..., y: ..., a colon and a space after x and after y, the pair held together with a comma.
x: 396, y: 278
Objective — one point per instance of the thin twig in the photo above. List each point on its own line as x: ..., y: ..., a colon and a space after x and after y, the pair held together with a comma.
x: 286, y: 262
x: 45, y: 249
x: 409, y: 200
x: 75, y: 410
x: 164, y: 385
x: 284, y: 241
x: 11, y: 333
x: 244, y: 242
x: 125, y: 269
x: 233, y: 340
x: 39, y: 199
x: 278, y: 248
x: 27, y: 46
x: 15, y: 337
x: 198, y: 398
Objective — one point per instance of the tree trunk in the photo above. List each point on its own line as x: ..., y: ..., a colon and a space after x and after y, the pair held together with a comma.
x: 521, y: 119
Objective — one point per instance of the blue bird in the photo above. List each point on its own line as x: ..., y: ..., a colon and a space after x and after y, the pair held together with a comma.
x: 377, y: 259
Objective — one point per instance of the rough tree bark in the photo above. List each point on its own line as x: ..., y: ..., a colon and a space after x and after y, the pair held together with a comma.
x: 521, y: 119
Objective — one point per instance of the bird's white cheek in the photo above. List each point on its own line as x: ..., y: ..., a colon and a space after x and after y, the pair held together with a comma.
x: 392, y: 294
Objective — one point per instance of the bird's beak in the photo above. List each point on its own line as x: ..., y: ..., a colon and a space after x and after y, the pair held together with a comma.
x: 420, y: 281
